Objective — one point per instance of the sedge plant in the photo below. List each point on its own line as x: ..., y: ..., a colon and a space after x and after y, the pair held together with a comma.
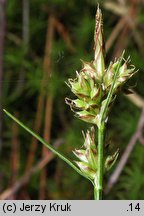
x: 95, y: 88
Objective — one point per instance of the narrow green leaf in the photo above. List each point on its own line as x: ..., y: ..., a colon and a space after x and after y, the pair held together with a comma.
x: 46, y: 144
x: 111, y: 91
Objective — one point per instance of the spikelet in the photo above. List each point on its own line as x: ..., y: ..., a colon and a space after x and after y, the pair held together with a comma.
x: 92, y: 83
x: 88, y: 156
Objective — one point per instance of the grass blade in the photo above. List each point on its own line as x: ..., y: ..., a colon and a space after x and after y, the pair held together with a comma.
x: 45, y: 143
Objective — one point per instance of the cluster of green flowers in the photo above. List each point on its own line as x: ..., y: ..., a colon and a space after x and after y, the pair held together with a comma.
x: 91, y: 87
x: 88, y: 156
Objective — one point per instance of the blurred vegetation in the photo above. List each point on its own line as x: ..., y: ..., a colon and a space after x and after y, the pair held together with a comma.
x: 72, y: 40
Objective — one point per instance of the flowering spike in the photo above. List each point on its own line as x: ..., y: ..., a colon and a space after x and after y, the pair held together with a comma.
x: 95, y: 88
x: 92, y: 84
x: 88, y: 155
x: 99, y: 45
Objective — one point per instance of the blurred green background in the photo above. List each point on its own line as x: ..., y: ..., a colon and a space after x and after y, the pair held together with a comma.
x: 41, y: 45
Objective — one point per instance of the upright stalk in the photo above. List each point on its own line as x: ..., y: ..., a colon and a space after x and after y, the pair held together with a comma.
x: 100, y: 161
x: 99, y: 187
x: 95, y: 192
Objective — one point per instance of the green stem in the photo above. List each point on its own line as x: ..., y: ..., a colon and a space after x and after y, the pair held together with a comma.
x: 95, y: 193
x: 100, y: 161
x: 99, y: 186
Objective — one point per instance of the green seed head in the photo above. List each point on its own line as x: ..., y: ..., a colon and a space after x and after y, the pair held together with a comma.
x: 88, y: 156
x: 92, y: 84
x: 124, y: 74
x: 99, y: 48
